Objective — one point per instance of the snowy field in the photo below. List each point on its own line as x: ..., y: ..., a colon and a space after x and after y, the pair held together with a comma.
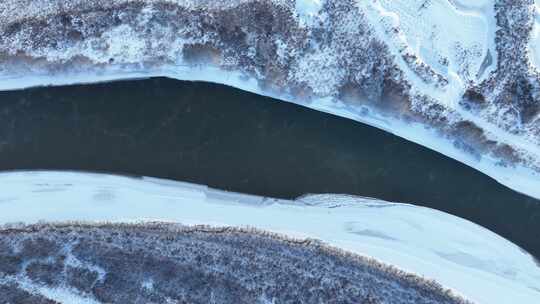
x: 460, y: 255
x: 453, y: 37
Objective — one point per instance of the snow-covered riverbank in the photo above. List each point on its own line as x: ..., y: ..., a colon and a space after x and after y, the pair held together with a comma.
x: 458, y: 254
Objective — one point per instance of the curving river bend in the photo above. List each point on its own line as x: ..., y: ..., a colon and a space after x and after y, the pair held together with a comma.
x: 229, y: 139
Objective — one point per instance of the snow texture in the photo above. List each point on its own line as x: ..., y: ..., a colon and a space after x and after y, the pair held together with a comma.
x: 470, y: 260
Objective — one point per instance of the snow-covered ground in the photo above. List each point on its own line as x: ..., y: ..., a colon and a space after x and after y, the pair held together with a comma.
x: 460, y: 255
x: 452, y: 37
x: 58, y: 294
x: 308, y: 10
x: 534, y: 43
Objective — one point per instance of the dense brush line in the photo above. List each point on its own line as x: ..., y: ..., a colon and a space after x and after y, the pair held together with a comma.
x: 237, y: 264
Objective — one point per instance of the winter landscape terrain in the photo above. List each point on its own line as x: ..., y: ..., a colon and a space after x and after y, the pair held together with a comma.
x: 161, y: 263
x: 457, y: 76
x: 470, y: 260
x: 460, y: 77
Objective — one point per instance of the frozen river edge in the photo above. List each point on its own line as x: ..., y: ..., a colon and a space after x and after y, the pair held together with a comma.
x: 458, y: 254
x: 516, y: 177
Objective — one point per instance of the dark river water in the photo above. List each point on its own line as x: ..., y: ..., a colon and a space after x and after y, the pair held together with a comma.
x: 234, y: 140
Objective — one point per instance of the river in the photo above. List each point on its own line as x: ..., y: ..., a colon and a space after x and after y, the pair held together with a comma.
x: 233, y: 140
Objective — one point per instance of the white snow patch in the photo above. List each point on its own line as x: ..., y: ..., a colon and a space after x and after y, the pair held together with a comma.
x: 308, y: 11
x: 124, y: 44
x: 449, y: 36
x: 534, y: 42
x: 148, y: 284
x: 460, y: 255
x: 57, y: 294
